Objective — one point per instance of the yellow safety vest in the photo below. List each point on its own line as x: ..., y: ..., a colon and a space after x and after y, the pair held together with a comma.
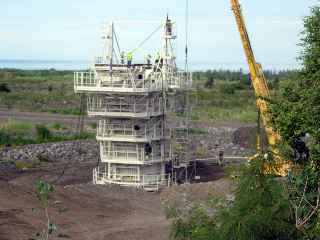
x: 129, y: 56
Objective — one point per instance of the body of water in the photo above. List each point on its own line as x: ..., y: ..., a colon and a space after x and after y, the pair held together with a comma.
x: 82, y: 65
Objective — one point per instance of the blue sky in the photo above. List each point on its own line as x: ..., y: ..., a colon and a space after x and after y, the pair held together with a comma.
x: 72, y: 29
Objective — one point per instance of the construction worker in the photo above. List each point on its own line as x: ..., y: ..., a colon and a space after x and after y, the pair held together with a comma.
x: 148, y: 59
x: 122, y: 57
x: 129, y: 58
x: 157, y: 58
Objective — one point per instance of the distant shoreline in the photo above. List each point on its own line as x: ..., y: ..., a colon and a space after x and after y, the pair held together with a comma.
x: 74, y: 65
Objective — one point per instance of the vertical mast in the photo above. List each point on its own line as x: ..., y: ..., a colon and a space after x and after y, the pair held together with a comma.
x: 109, y: 45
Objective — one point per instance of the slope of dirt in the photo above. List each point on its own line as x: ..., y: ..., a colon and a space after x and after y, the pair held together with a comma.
x: 84, y: 211
x: 80, y: 211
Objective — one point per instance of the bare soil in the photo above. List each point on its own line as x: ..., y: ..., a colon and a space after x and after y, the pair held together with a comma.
x: 82, y: 210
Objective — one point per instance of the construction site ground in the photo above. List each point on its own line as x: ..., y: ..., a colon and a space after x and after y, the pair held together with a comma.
x: 84, y: 211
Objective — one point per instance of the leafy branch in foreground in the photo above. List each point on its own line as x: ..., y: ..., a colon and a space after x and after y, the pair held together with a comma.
x: 296, y: 116
x: 43, y: 192
x: 260, y: 210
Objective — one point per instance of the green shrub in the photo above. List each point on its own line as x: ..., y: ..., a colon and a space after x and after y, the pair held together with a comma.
x: 5, y: 138
x: 43, y: 133
x: 260, y: 211
x: 93, y: 125
x: 4, y: 88
x: 57, y: 126
x: 226, y: 88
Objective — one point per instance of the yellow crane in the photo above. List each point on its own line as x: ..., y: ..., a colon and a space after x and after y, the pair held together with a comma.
x: 260, y: 87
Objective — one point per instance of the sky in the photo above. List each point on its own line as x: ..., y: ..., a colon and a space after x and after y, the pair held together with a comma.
x: 72, y: 29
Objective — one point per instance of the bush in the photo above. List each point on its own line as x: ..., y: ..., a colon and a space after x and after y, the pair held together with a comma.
x: 4, y: 88
x: 43, y: 133
x: 4, y: 138
x: 93, y: 125
x: 57, y: 126
x: 209, y: 83
x: 260, y: 210
x: 226, y: 88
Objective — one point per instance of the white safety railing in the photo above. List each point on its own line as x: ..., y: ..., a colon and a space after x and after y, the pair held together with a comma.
x: 180, y: 80
x: 123, y: 80
x: 152, y: 107
x: 147, y: 182
x: 128, y: 130
x: 132, y: 156
x: 131, y: 80
x: 84, y: 79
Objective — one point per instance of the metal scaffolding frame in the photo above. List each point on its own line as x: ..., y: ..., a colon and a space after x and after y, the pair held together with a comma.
x: 131, y: 103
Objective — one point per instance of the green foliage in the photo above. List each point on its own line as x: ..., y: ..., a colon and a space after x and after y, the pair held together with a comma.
x: 296, y: 111
x: 214, y: 105
x: 295, y: 115
x: 57, y: 126
x: 4, y: 88
x: 38, y: 90
x: 14, y: 126
x: 198, y: 225
x: 93, y: 125
x: 227, y: 88
x: 43, y: 133
x: 205, y: 78
x: 209, y: 83
x: 259, y: 211
x: 227, y: 95
x: 43, y: 191
x: 15, y: 133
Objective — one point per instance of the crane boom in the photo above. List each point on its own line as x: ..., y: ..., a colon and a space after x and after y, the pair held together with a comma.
x: 256, y: 74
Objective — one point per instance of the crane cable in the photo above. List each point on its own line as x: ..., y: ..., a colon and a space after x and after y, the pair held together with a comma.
x: 147, y: 38
x: 187, y: 35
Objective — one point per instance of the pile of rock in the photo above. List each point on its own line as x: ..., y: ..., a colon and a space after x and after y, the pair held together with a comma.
x: 84, y: 150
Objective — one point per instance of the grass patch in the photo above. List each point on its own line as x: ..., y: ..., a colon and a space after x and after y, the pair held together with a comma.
x: 15, y: 133
x: 15, y: 126
x: 26, y: 164
x: 217, y: 105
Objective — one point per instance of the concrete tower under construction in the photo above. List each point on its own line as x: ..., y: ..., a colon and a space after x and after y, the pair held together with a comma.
x: 131, y: 102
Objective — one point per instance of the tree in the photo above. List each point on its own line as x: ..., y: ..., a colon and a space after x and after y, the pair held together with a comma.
x: 260, y: 210
x: 209, y: 83
x: 296, y: 116
x: 43, y: 191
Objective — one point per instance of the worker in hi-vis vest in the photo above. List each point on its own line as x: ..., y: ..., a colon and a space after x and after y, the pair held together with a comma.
x: 122, y: 57
x: 129, y: 58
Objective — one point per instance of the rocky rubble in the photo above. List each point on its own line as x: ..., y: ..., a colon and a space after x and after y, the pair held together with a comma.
x: 222, y: 138
x: 83, y: 151
x: 233, y: 141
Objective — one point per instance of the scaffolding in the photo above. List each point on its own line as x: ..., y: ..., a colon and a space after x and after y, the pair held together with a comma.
x: 131, y: 102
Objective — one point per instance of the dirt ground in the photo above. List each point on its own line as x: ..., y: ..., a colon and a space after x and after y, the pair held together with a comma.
x: 82, y: 210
